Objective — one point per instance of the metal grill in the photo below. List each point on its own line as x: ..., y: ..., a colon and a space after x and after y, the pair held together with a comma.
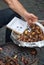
x: 24, y: 55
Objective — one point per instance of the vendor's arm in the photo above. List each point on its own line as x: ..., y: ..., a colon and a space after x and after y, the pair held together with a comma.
x: 16, y: 6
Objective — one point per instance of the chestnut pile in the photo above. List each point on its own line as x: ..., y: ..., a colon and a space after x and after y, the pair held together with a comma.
x: 35, y: 35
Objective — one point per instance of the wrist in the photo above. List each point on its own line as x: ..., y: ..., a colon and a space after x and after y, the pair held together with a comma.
x: 24, y: 14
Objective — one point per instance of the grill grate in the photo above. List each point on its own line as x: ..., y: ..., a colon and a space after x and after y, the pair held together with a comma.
x: 23, y: 54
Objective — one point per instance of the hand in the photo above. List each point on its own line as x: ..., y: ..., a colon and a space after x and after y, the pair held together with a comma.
x: 0, y: 49
x: 30, y: 18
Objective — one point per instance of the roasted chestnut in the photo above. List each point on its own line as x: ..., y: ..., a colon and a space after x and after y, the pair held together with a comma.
x: 35, y: 35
